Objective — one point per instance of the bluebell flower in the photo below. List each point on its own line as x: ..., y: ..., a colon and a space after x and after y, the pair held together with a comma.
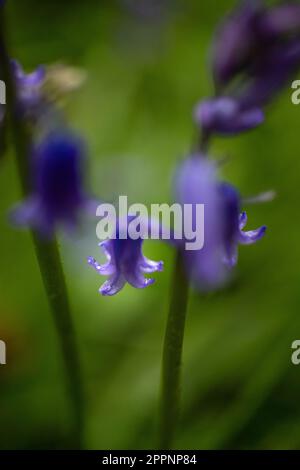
x: 57, y: 176
x: 235, y: 42
x: 242, y: 110
x: 125, y: 263
x: 256, y: 51
x: 260, y: 46
x: 269, y: 74
x: 226, y: 116
x: 29, y: 89
x: 197, y: 183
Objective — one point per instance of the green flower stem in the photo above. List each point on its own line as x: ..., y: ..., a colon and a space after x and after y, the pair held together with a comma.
x: 49, y: 261
x: 47, y: 253
x: 172, y: 354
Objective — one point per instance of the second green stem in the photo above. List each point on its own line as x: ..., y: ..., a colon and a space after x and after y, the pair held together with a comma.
x: 172, y: 354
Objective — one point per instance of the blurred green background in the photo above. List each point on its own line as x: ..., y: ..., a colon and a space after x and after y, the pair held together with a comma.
x: 240, y: 390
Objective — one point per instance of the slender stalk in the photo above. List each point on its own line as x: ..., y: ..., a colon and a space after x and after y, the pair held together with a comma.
x: 47, y: 253
x: 172, y: 354
x: 49, y: 261
x: 173, y: 341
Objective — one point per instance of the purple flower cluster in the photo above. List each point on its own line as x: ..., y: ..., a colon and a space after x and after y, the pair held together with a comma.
x: 255, y: 52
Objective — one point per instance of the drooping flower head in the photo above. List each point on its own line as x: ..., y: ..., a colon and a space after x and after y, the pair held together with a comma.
x: 256, y: 51
x: 226, y: 116
x: 269, y: 73
x: 125, y: 263
x: 235, y: 42
x: 197, y: 183
x: 250, y: 34
x: 58, y: 193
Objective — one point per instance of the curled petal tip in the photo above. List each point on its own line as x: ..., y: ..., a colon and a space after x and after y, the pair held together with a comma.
x: 112, y: 286
x: 91, y: 260
x: 149, y: 266
x: 260, y: 232
x: 149, y: 282
x: 242, y: 220
x: 160, y: 266
x: 263, y: 230
x: 108, y: 291
x: 105, y: 290
x: 252, y: 236
x: 230, y: 262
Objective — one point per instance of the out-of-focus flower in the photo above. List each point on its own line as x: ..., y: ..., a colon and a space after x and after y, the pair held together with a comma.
x: 125, y: 263
x: 29, y: 88
x: 226, y: 116
x: 58, y: 193
x: 258, y: 43
x: 256, y: 51
x: 269, y: 74
x: 197, y: 183
x: 235, y: 42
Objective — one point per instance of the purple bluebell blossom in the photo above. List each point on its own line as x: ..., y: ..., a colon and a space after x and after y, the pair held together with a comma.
x: 256, y: 51
x: 235, y: 42
x: 58, y: 194
x: 125, y: 263
x: 269, y: 74
x: 197, y: 183
x: 226, y: 116
x: 29, y: 89
x: 249, y: 34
